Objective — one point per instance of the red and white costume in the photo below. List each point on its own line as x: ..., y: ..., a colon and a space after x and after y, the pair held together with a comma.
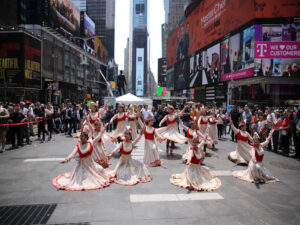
x: 93, y: 117
x: 202, y: 124
x: 87, y: 175
x: 99, y: 154
x: 132, y: 125
x: 129, y: 171
x: 196, y: 177
x: 256, y: 170
x: 190, y: 133
x: 151, y: 155
x: 242, y: 151
x: 121, y: 127
x: 171, y: 132
x: 213, y: 130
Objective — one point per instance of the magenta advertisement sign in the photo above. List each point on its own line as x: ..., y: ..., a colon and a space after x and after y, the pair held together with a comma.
x: 279, y: 50
x: 238, y: 74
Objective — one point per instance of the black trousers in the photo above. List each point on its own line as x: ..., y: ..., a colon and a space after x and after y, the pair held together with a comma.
x: 297, y: 144
x: 220, y: 130
x: 25, y: 133
x: 275, y: 139
x: 16, y: 131
x: 120, y: 89
x: 41, y: 129
x: 286, y: 143
x: 50, y: 127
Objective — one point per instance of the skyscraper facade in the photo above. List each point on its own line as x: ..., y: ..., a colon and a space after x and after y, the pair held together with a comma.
x: 138, y: 47
x: 102, y: 12
x: 81, y: 4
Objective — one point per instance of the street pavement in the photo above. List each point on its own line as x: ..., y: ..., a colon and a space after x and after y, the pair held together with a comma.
x: 26, y: 174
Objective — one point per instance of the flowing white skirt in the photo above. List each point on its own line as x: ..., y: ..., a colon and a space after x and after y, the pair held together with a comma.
x: 196, y: 177
x: 151, y: 155
x: 256, y: 172
x: 171, y: 133
x: 119, y: 131
x: 130, y: 172
x: 213, y: 133
x: 132, y: 125
x: 99, y: 155
x: 87, y: 175
x: 241, y: 154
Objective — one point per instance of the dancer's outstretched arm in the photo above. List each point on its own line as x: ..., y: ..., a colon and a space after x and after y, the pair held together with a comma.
x: 163, y: 120
x: 235, y: 130
x: 71, y: 156
x: 99, y: 136
x: 137, y: 139
x: 182, y: 125
x: 266, y: 142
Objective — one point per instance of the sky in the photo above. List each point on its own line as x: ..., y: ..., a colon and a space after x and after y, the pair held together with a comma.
x: 156, y: 17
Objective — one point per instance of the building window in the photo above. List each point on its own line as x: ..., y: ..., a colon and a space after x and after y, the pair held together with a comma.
x: 139, y: 8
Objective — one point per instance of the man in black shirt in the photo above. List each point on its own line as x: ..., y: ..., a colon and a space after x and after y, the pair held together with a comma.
x: 186, y: 116
x: 121, y: 82
x: 17, y: 117
x: 235, y: 116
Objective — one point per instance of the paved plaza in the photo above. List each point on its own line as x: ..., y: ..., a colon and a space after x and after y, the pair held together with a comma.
x: 28, y: 197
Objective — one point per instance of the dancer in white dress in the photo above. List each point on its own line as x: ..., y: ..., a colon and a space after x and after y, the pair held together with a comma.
x: 87, y: 175
x: 151, y: 155
x: 256, y: 172
x: 129, y: 171
x: 241, y: 155
x: 202, y: 121
x: 213, y: 128
x: 99, y: 151
x: 131, y: 115
x: 121, y: 126
x: 196, y: 177
x: 170, y: 132
x: 191, y: 131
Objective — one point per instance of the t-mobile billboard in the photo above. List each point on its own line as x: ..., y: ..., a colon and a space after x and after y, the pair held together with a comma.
x: 139, y: 72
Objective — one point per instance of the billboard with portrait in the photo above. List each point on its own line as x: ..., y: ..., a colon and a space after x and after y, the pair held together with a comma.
x: 139, y: 72
x: 181, y: 74
x: 89, y: 26
x: 163, y: 92
x: 212, y: 19
x: 65, y: 15
x: 211, y: 65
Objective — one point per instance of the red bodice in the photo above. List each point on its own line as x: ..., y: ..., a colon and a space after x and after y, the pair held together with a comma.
x: 149, y: 136
x: 171, y: 121
x: 259, y: 158
x: 83, y: 155
x: 203, y: 121
x: 195, y: 160
x: 91, y: 120
x: 240, y: 137
x: 123, y: 152
x: 122, y: 118
x: 131, y: 118
x: 100, y: 140
x: 188, y: 134
x: 212, y: 122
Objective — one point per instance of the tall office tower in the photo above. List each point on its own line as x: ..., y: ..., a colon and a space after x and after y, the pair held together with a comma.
x: 102, y: 12
x: 174, y: 13
x: 138, y: 47
x: 81, y: 4
x: 126, y: 65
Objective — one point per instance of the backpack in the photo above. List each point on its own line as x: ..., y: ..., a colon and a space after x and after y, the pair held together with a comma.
x: 69, y: 113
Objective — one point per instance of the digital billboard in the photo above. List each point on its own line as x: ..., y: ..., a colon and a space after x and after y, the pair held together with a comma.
x: 20, y: 60
x: 87, y: 25
x: 100, y: 50
x: 211, y: 65
x: 212, y: 19
x: 65, y: 15
x: 163, y: 92
x: 139, y: 90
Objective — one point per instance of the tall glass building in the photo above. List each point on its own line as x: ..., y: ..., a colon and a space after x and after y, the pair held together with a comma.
x: 138, y: 47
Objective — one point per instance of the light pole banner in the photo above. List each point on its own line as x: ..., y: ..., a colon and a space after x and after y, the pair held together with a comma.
x: 277, y: 50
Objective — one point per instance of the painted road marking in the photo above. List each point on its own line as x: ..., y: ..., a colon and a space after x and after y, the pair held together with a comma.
x: 174, y: 197
x: 44, y: 160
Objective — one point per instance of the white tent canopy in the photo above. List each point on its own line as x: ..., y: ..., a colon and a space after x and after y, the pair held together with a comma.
x: 129, y: 99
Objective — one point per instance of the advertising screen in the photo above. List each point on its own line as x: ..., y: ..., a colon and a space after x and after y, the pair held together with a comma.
x: 162, y: 71
x: 65, y: 15
x: 181, y: 73
x: 195, y: 74
x: 211, y: 65
x: 89, y: 26
x: 139, y: 72
x: 32, y: 72
x: 213, y: 19
x: 162, y: 92
x: 248, y: 46
x: 99, y: 49
x: 20, y: 60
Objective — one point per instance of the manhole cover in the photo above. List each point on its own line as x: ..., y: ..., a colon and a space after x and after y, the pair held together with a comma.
x: 26, y: 214
x: 285, y: 165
